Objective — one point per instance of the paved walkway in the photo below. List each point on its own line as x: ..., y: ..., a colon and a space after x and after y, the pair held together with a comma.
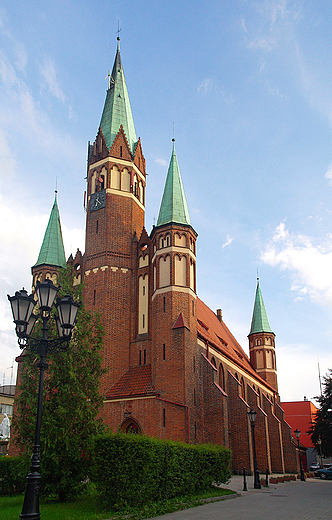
x: 310, y: 500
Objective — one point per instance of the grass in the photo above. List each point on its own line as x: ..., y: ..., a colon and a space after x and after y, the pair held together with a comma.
x: 88, y: 507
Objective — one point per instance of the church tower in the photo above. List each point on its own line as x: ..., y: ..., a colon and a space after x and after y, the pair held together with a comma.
x: 173, y: 303
x: 52, y: 254
x: 261, y: 342
x: 114, y: 221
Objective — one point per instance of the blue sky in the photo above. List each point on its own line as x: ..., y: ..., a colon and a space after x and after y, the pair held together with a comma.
x: 247, y: 86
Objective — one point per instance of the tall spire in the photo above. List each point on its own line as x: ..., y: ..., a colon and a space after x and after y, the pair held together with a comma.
x: 52, y: 251
x: 173, y: 206
x: 117, y: 109
x: 260, y: 321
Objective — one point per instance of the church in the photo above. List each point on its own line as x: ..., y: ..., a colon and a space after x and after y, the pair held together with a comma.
x: 174, y: 369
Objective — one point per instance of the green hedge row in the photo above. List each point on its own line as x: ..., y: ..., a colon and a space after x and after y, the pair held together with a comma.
x: 134, y: 470
x: 13, y: 473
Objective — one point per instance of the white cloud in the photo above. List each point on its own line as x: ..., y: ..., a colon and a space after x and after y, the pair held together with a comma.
x: 263, y: 43
x: 229, y: 240
x: 309, y: 264
x: 305, y: 380
x: 7, y: 161
x: 206, y: 86
x: 328, y: 174
x: 274, y: 91
x: 49, y: 74
x: 161, y: 161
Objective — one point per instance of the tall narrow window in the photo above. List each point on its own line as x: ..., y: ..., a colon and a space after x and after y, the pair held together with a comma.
x: 143, y: 321
x: 164, y: 351
x: 164, y: 304
x: 97, y: 227
x: 164, y: 417
x: 120, y: 151
x: 94, y: 297
x: 140, y: 357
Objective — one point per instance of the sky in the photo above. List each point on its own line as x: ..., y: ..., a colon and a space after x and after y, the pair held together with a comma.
x: 246, y: 86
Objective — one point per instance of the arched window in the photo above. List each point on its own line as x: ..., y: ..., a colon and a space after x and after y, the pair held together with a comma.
x: 221, y: 377
x: 242, y: 389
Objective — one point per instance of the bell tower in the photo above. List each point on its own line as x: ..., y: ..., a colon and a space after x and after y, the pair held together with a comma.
x: 114, y: 219
x: 261, y: 342
x: 173, y: 302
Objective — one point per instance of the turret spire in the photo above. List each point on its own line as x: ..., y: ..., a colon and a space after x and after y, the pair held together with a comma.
x: 52, y: 251
x: 117, y: 109
x: 173, y: 206
x: 260, y: 321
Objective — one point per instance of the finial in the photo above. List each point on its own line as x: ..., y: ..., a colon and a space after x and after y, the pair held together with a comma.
x: 257, y: 277
x: 118, y: 37
x: 56, y: 186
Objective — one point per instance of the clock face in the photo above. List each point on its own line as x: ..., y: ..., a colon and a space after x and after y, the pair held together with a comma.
x: 97, y: 200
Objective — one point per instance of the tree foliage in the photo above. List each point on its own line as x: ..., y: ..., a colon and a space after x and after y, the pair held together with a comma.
x: 322, y: 427
x: 71, y: 401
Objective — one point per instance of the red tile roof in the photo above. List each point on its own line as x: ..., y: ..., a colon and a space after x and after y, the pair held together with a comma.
x: 217, y: 334
x: 137, y: 381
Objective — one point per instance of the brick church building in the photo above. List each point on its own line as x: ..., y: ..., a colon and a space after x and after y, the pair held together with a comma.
x: 174, y: 370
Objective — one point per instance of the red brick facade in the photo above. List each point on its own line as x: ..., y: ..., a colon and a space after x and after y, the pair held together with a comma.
x: 174, y: 370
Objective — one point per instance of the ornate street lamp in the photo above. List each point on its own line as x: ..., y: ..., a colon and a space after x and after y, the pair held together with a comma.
x: 319, y: 442
x: 252, y: 418
x: 297, y: 435
x: 22, y: 306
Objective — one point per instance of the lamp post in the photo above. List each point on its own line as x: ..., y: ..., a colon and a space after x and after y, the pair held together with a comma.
x: 319, y: 442
x: 297, y: 435
x: 252, y: 417
x: 22, y: 306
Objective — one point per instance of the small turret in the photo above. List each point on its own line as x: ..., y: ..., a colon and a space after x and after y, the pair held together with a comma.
x: 261, y: 342
x: 52, y: 253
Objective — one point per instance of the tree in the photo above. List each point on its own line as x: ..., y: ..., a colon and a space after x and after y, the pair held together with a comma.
x: 322, y: 427
x: 71, y: 401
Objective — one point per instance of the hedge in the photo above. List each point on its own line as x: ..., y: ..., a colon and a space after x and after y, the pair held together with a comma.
x: 134, y: 469
x: 13, y: 473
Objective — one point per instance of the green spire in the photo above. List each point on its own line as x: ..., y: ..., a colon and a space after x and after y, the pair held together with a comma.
x: 173, y: 205
x: 117, y: 110
x: 52, y: 251
x: 260, y: 321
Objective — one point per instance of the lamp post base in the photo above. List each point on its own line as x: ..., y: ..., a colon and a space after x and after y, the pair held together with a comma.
x: 257, y: 483
x: 30, y: 510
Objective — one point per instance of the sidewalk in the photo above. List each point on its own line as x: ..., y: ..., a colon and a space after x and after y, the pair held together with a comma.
x: 310, y: 500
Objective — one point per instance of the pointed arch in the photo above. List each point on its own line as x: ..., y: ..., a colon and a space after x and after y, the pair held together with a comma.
x: 130, y: 425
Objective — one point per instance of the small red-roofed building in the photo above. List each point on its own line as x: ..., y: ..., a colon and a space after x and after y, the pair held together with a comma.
x: 300, y: 415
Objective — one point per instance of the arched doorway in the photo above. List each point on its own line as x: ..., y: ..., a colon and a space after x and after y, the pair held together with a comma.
x: 131, y: 426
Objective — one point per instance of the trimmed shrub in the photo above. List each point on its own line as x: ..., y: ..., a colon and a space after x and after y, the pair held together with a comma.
x: 13, y: 473
x: 133, y: 469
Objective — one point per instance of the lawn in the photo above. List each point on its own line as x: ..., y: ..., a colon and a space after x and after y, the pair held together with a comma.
x: 88, y: 507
